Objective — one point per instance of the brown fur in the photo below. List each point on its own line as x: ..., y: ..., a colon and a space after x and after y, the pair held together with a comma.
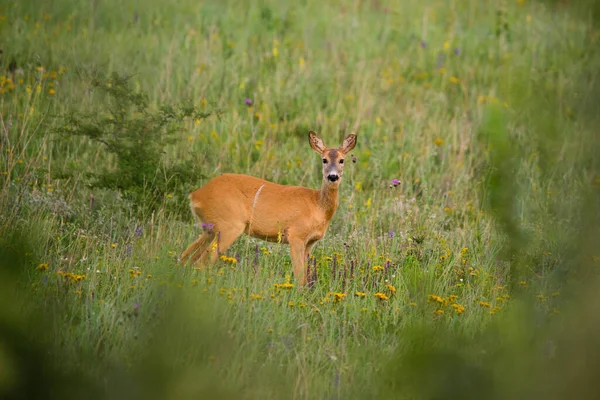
x: 296, y: 215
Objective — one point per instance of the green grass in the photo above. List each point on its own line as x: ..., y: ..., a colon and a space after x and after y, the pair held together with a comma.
x: 485, y: 111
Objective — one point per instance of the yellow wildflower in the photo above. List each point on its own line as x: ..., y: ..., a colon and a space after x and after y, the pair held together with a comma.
x: 436, y: 298
x: 42, y: 267
x: 134, y: 272
x: 286, y: 285
x: 458, y: 308
x: 231, y: 260
x: 381, y: 296
x: 337, y: 297
x: 71, y: 276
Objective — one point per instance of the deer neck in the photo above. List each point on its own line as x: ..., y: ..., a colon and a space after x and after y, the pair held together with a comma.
x: 328, y: 199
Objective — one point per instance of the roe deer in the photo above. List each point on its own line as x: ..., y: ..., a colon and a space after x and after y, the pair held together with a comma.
x: 230, y: 204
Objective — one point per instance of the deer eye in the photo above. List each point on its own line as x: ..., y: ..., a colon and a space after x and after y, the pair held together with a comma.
x: 342, y: 161
x: 324, y: 161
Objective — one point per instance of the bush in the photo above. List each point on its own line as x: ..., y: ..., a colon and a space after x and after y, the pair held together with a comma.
x: 136, y: 135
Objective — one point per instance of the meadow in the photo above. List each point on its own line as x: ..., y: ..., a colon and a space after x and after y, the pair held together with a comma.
x: 462, y: 261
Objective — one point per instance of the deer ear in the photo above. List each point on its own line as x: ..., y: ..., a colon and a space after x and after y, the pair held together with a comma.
x: 349, y: 143
x: 316, y: 142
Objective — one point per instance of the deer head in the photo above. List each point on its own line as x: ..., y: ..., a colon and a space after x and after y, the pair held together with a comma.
x: 333, y: 159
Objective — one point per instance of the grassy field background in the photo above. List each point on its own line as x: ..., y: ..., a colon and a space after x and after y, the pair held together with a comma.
x: 475, y: 277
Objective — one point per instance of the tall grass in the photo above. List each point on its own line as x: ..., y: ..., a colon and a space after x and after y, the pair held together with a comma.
x: 474, y: 277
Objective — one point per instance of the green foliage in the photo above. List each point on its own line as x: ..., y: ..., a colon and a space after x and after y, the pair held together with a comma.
x: 136, y: 135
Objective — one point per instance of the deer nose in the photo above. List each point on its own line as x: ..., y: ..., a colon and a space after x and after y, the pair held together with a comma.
x: 333, y: 177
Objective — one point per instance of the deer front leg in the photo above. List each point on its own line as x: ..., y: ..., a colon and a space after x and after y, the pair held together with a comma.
x: 307, y: 261
x: 298, y: 253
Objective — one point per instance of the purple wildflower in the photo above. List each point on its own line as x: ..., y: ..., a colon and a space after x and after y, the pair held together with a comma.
x: 208, y: 227
x: 395, y: 182
x: 248, y: 102
x: 423, y: 44
x: 139, y: 230
x: 391, y: 234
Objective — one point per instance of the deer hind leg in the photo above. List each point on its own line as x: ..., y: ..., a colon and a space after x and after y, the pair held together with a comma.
x: 227, y: 234
x: 298, y: 254
x: 198, y: 248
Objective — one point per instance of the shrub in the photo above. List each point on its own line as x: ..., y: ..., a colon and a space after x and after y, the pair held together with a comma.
x: 128, y: 128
